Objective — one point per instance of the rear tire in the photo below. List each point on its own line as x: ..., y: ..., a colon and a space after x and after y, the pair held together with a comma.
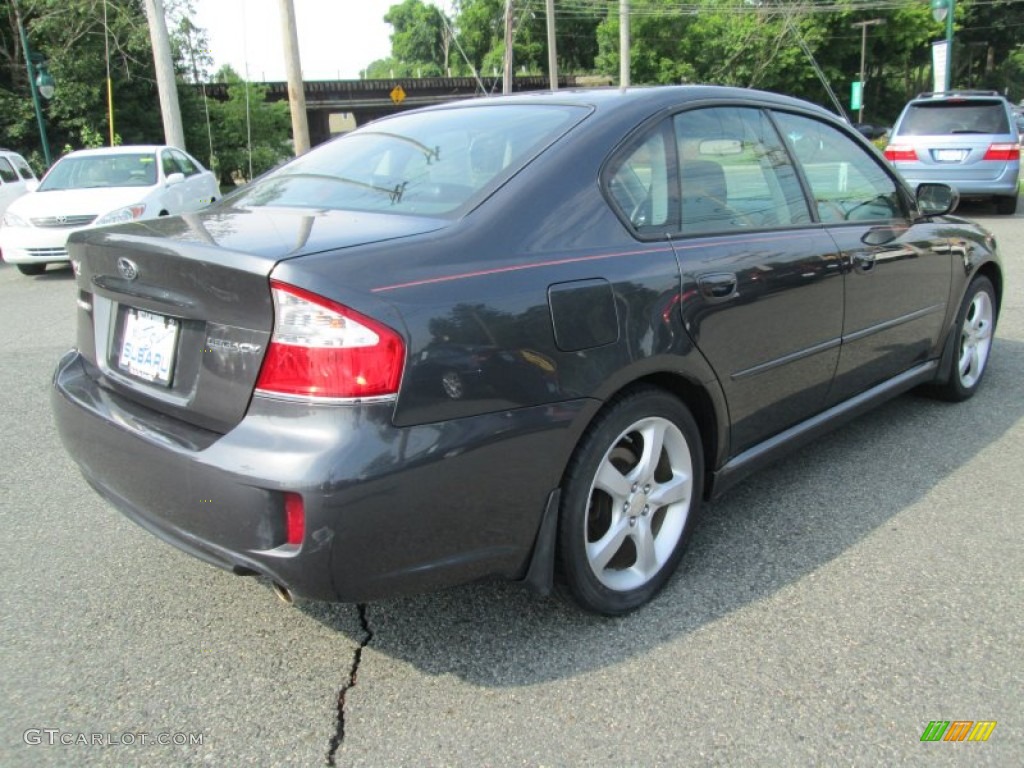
x: 974, y: 331
x: 632, y: 492
x: 1007, y: 206
x: 31, y: 269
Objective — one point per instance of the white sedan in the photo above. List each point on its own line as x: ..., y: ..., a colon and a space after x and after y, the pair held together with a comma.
x: 95, y: 187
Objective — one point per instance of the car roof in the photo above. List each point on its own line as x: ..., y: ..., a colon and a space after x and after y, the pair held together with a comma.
x: 643, y: 98
x: 930, y: 97
x: 124, y: 149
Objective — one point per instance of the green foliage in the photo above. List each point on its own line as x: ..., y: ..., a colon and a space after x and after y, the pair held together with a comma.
x: 268, y: 124
x: 190, y: 43
x: 480, y: 27
x: 92, y: 139
x: 70, y: 35
x: 420, y: 36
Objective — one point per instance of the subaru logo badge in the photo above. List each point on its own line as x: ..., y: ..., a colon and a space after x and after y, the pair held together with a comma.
x: 127, y: 268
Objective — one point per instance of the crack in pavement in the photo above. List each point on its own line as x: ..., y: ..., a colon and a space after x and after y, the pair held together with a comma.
x: 339, y: 734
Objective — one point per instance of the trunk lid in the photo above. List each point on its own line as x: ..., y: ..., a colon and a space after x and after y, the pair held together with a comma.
x: 177, y: 313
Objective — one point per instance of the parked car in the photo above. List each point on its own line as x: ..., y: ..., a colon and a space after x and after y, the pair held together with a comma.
x: 872, y: 131
x: 967, y: 139
x: 95, y: 187
x: 16, y: 177
x: 519, y: 337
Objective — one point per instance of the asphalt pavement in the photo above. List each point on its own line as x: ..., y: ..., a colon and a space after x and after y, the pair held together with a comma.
x: 827, y: 611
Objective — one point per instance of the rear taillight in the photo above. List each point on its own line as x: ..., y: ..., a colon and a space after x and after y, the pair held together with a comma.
x: 896, y: 152
x: 321, y: 349
x: 294, y: 518
x: 1004, y: 152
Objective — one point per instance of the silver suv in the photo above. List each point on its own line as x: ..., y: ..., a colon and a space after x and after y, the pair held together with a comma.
x: 967, y: 139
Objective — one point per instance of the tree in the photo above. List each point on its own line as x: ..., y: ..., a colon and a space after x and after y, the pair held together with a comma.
x: 420, y: 38
x: 268, y: 123
x: 70, y: 35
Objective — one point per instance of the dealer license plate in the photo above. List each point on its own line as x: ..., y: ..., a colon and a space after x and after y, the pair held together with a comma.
x: 147, y: 346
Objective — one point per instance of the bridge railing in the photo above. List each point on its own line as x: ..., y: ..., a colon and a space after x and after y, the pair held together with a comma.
x: 340, y: 89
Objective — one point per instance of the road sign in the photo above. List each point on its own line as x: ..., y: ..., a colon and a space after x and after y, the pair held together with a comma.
x: 398, y: 94
x: 856, y: 95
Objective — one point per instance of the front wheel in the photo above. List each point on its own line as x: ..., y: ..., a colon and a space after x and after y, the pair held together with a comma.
x: 631, y: 494
x: 31, y: 269
x: 975, y: 328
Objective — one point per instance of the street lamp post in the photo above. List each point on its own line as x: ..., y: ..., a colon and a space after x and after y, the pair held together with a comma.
x: 863, y: 50
x: 40, y: 82
x: 944, y: 10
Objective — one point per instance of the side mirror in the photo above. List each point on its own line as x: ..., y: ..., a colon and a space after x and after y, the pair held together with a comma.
x: 175, y: 178
x: 936, y: 199
x: 31, y: 185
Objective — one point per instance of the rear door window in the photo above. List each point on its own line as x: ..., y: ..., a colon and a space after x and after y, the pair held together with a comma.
x: 734, y: 172
x: 638, y: 182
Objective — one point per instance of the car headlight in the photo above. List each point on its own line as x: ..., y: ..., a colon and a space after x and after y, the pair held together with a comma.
x: 121, y: 215
x: 14, y: 220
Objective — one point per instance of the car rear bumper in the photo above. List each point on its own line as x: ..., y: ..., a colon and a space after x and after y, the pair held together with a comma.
x: 388, y: 510
x: 1003, y: 183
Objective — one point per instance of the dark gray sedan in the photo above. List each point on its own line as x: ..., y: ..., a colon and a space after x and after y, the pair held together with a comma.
x: 516, y: 337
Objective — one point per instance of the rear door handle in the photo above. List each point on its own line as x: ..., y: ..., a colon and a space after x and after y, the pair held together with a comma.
x: 718, y: 287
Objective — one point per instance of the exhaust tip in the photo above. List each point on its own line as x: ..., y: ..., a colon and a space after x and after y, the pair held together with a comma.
x: 283, y: 593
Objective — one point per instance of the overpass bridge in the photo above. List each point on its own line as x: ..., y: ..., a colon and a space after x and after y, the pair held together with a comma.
x: 367, y: 100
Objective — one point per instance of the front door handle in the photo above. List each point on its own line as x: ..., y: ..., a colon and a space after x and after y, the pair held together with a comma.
x: 718, y: 287
x: 864, y: 261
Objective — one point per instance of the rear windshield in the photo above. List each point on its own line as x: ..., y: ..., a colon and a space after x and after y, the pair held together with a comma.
x: 85, y: 172
x: 426, y: 163
x: 943, y: 118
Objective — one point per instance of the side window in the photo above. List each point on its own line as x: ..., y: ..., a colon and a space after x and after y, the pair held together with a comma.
x: 169, y: 164
x: 734, y: 172
x: 638, y: 183
x: 7, y: 172
x: 848, y: 183
x: 185, y: 163
x: 23, y: 168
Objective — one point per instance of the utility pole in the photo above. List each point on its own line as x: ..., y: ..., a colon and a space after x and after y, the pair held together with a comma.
x: 863, y: 50
x: 296, y: 89
x: 552, y: 51
x: 506, y: 82
x: 163, y: 65
x: 623, y: 43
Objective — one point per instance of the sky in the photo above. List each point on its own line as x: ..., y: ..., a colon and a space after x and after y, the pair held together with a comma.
x: 337, y: 38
